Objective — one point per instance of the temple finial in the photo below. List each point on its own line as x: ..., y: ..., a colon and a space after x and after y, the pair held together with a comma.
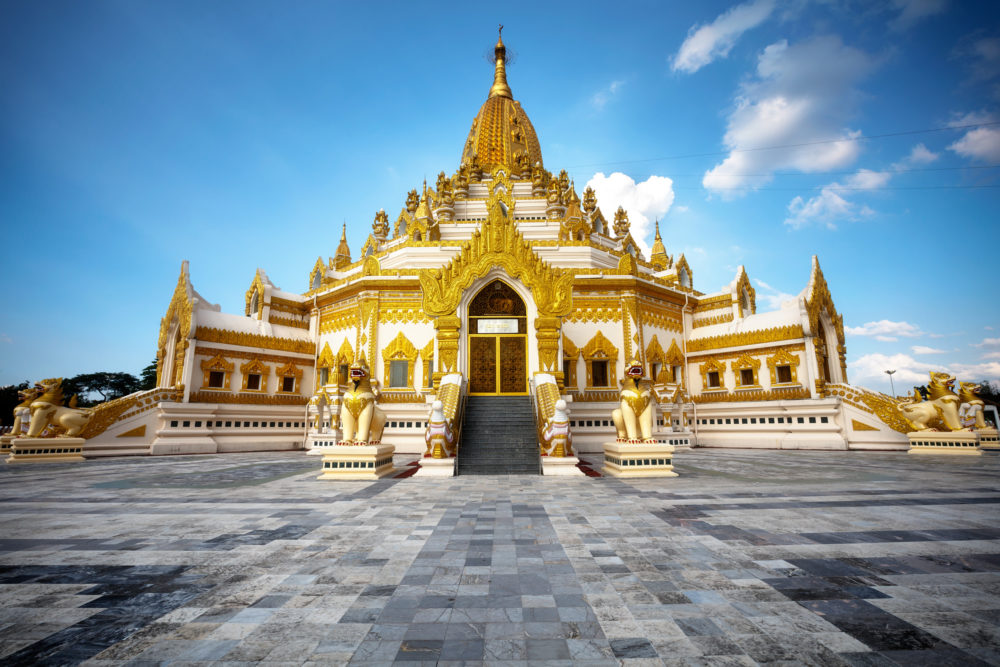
x: 500, y: 87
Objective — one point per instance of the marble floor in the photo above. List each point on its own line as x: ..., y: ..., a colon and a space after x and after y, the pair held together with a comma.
x: 749, y: 557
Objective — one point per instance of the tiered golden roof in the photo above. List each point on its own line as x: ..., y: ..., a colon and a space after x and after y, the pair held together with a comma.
x: 501, y: 134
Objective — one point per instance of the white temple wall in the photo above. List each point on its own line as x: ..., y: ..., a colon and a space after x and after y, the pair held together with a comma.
x: 418, y: 334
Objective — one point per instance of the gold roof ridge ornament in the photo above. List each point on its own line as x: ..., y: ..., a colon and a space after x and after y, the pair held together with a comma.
x: 501, y: 133
x: 497, y: 243
x: 500, y: 87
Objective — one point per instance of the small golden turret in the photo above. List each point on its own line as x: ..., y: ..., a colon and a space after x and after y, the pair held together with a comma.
x: 343, y: 255
x: 659, y: 258
x: 500, y: 87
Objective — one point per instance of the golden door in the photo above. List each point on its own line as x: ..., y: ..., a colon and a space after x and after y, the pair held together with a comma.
x: 498, y: 364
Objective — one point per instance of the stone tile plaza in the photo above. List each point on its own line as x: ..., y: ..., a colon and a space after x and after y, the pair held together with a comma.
x: 748, y: 557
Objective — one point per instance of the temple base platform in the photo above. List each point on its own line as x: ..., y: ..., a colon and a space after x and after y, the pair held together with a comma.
x: 318, y: 444
x: 560, y: 466
x: 46, y: 450
x: 431, y: 467
x: 989, y: 440
x: 947, y: 442
x: 358, y: 462
x: 622, y: 459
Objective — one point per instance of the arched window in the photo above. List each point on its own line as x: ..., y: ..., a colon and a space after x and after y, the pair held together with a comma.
x: 684, y: 277
x: 316, y: 281
x: 254, y: 304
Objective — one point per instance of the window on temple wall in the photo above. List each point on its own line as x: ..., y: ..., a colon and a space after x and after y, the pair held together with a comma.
x: 342, y: 372
x: 399, y: 373
x: 324, y: 376
x: 784, y: 374
x: 288, y: 385
x: 429, y: 374
x: 714, y: 381
x: 746, y: 377
x: 317, y: 280
x: 599, y: 373
x: 654, y: 371
x: 216, y: 379
x: 677, y: 374
x: 253, y: 381
x: 684, y: 278
x: 254, y: 304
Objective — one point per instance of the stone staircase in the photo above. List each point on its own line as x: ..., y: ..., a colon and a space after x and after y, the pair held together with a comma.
x: 499, y: 437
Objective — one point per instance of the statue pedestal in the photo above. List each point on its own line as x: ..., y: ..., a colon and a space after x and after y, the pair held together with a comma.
x: 46, y: 450
x: 430, y: 467
x: 357, y: 461
x: 562, y: 466
x: 946, y: 442
x: 5, y: 441
x: 989, y: 440
x: 622, y: 459
x: 318, y: 444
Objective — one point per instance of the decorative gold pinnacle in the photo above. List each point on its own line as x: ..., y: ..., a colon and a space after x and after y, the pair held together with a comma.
x: 500, y: 87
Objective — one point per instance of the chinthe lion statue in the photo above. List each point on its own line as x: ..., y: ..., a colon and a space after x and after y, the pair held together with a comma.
x: 439, y: 436
x: 971, y: 407
x: 361, y: 420
x: 49, y: 409
x: 635, y: 416
x: 939, y: 412
x: 557, y: 440
x: 22, y: 413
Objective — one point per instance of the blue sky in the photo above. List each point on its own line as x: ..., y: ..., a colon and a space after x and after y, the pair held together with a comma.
x: 134, y: 135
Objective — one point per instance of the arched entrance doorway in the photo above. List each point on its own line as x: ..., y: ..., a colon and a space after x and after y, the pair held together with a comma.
x: 498, y: 341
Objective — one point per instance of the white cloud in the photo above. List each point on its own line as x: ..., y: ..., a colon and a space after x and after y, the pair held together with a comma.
x: 909, y: 371
x: 4, y: 338
x: 874, y: 367
x: 989, y: 343
x: 714, y: 40
x: 643, y: 202
x: 886, y: 331
x: 923, y: 349
x: 913, y: 11
x: 986, y: 370
x: 601, y: 98
x: 772, y: 298
x: 919, y: 155
x: 980, y: 143
x: 832, y: 203
x: 803, y: 94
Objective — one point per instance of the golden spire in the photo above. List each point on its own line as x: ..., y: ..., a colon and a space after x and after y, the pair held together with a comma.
x: 659, y: 258
x: 343, y: 255
x: 500, y: 87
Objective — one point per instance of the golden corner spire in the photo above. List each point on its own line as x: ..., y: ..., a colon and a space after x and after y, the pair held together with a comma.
x: 500, y: 87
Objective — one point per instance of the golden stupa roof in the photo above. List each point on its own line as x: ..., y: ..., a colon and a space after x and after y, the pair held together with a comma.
x: 501, y: 132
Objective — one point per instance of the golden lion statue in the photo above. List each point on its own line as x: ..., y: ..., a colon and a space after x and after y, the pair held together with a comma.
x: 22, y: 412
x: 635, y: 416
x: 971, y: 408
x: 940, y: 411
x: 49, y: 409
x: 361, y: 420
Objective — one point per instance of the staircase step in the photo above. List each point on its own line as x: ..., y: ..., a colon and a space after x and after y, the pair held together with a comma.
x: 498, y: 437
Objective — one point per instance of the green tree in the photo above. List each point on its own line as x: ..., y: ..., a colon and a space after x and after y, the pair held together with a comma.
x: 108, y: 386
x: 147, y: 378
x: 9, y: 400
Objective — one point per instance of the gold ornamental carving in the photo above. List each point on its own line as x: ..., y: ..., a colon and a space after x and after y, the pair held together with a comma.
x: 220, y: 365
x: 772, y: 335
x: 255, y: 367
x: 178, y: 313
x: 326, y: 358
x: 255, y: 308
x: 599, y: 348
x: 210, y: 335
x: 497, y: 244
x: 399, y: 349
x: 742, y: 363
x: 751, y: 395
x: 709, y: 321
x: 239, y: 354
x: 783, y: 358
x: 252, y: 398
x: 861, y: 426
x: 712, y: 366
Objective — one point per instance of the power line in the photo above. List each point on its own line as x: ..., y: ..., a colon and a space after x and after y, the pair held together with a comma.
x: 824, y: 174
x: 838, y: 188
x: 798, y: 145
